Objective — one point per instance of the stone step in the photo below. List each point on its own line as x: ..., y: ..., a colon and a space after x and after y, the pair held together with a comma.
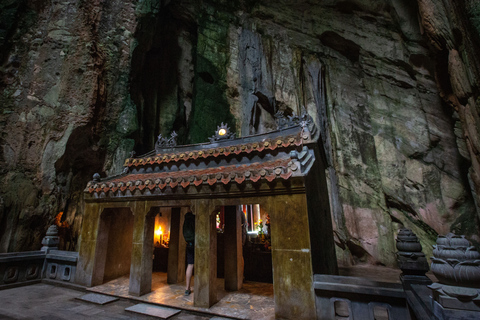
x: 153, y: 311
x: 97, y: 298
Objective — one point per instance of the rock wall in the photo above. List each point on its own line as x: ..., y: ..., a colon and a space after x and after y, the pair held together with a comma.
x: 392, y: 85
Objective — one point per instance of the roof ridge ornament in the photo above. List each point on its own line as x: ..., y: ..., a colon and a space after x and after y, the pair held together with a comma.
x: 163, y: 142
x: 283, y: 121
x: 223, y: 133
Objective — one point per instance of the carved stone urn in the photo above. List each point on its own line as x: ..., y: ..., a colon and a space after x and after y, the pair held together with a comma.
x: 455, y: 262
x: 410, y: 258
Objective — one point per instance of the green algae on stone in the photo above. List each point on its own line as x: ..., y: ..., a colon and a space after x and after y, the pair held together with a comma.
x: 146, y: 7
x: 474, y: 14
x: 127, y: 121
x: 210, y: 104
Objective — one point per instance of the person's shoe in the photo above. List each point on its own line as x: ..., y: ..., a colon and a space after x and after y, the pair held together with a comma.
x: 187, y: 292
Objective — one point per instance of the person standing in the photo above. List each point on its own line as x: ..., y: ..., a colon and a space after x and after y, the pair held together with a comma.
x: 189, y: 236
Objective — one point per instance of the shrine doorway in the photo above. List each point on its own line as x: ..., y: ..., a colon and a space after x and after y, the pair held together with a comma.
x: 257, y: 250
x: 114, y: 245
x: 255, y: 258
x: 169, y: 246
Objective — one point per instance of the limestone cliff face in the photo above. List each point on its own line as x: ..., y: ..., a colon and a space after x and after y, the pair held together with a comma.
x: 393, y: 86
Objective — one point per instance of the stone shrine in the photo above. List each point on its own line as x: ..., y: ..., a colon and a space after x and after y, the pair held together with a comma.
x: 281, y: 171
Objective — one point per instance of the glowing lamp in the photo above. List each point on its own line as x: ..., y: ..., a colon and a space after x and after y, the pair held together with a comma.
x: 158, y: 235
x: 222, y: 133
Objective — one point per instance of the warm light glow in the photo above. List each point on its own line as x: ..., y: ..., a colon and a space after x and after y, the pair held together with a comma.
x: 161, y: 233
x: 158, y: 236
x: 222, y: 132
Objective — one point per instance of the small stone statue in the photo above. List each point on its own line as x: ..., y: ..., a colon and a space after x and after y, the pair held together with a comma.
x: 50, y: 241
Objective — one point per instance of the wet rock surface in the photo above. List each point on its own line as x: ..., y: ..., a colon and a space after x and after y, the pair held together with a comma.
x: 393, y: 88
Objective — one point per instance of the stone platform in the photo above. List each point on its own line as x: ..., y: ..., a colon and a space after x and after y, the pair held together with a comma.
x: 253, y: 301
x: 152, y: 310
x: 97, y: 298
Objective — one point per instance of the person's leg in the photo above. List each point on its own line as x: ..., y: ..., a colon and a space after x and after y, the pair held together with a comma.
x: 189, y: 272
x: 189, y: 276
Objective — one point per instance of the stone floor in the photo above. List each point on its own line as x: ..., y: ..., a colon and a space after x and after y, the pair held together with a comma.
x: 47, y: 302
x: 253, y: 301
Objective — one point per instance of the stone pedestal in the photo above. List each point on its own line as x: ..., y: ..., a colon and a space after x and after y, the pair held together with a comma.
x: 454, y: 302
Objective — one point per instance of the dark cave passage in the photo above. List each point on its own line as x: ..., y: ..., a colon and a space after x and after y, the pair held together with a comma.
x: 162, y: 76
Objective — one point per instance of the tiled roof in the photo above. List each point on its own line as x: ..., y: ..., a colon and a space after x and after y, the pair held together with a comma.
x: 269, y: 143
x: 268, y: 170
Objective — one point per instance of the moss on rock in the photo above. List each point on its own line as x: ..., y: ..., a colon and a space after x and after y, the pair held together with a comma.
x: 210, y: 106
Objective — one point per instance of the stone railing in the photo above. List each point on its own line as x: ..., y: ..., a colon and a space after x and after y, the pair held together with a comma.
x: 340, y: 297
x: 20, y: 268
x: 61, y: 265
x: 23, y: 268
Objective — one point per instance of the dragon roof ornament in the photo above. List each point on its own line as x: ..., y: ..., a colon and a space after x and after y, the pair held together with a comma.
x: 284, y: 121
x: 163, y: 142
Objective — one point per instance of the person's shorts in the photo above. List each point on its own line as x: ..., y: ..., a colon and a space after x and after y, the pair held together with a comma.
x: 190, y: 254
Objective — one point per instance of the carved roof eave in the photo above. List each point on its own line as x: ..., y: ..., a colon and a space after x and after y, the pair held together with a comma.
x: 155, y: 183
x: 289, y: 137
x: 294, y: 185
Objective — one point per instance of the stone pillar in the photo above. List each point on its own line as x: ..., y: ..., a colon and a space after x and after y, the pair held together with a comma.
x: 142, y: 253
x: 101, y: 247
x: 291, y: 258
x: 233, y: 249
x: 205, y: 291
x: 88, y: 238
x: 176, y: 256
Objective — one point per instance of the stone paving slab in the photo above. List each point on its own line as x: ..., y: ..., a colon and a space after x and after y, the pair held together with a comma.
x: 97, y: 298
x: 154, y: 311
